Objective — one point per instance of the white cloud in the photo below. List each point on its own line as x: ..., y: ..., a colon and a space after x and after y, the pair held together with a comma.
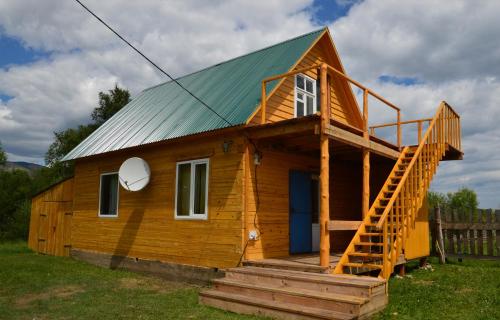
x: 451, y: 47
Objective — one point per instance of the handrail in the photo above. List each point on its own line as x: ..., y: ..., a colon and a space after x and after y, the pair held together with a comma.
x: 366, y: 92
x: 405, y: 190
x: 410, y: 167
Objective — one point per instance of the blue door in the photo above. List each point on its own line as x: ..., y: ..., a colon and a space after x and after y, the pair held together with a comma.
x: 300, y: 212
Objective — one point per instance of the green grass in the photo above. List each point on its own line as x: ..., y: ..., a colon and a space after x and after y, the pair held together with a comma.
x: 457, y: 290
x: 43, y: 287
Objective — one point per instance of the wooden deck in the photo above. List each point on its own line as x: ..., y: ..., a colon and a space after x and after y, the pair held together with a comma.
x: 300, y: 262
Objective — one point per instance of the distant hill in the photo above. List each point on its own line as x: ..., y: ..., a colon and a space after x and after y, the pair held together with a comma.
x: 21, y: 165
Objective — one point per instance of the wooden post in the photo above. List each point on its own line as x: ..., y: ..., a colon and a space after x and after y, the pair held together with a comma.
x: 439, y: 233
x: 419, y: 131
x: 263, y: 104
x: 399, y: 129
x: 365, y: 197
x: 324, y: 177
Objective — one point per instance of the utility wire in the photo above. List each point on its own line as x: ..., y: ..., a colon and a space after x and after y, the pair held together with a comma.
x: 154, y: 64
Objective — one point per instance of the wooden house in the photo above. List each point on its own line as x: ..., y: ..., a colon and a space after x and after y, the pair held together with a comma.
x: 268, y: 171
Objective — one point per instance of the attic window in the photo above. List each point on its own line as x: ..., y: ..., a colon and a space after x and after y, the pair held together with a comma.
x: 305, y: 95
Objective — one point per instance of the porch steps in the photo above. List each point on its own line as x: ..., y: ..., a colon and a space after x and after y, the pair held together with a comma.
x: 286, y: 265
x: 289, y: 294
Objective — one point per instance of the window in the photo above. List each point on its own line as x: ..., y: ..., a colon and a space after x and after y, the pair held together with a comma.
x: 192, y: 189
x: 305, y: 96
x: 108, y: 195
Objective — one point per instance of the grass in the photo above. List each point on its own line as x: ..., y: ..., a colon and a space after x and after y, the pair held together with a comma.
x: 457, y: 290
x: 43, y: 287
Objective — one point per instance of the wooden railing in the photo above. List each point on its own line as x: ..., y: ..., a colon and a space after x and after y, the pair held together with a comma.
x: 402, y: 208
x: 366, y: 93
x: 391, y: 217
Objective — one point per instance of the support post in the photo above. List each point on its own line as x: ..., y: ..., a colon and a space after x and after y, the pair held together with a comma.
x: 399, y: 129
x: 365, y: 197
x: 419, y: 131
x: 439, y: 233
x: 324, y: 217
x: 263, y: 104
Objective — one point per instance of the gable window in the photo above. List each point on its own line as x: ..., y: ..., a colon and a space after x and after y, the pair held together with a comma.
x: 305, y: 96
x: 108, y: 195
x: 191, y: 189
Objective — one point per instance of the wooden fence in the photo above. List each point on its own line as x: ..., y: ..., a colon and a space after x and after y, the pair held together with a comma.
x: 470, y: 234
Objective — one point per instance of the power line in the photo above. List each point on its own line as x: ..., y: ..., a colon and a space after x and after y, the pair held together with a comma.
x: 154, y: 64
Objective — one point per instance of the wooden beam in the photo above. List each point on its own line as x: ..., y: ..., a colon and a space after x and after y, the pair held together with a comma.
x: 365, y: 193
x: 365, y: 199
x: 324, y: 216
x: 360, y: 142
x: 283, y: 128
x: 343, y: 225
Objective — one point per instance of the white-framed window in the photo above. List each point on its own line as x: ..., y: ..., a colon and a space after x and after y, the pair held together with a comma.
x: 191, y: 189
x: 108, y: 194
x: 305, y: 95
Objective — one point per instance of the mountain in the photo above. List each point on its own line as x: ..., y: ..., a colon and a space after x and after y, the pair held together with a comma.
x: 21, y: 165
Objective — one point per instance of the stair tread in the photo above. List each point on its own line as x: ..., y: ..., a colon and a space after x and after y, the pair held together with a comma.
x: 361, y: 243
x: 277, y: 305
x: 363, y: 265
x: 341, y: 279
x: 331, y: 296
x: 366, y: 254
x: 372, y: 234
x: 282, y: 265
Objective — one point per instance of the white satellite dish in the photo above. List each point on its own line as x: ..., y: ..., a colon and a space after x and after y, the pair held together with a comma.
x: 134, y: 174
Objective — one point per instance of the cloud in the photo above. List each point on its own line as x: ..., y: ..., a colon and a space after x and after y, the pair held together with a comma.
x: 84, y: 57
x: 452, y: 48
x: 415, y: 53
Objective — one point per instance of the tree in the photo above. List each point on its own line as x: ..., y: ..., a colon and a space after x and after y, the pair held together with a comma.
x: 3, y: 156
x: 109, y: 104
x: 435, y: 199
x: 15, y: 190
x: 66, y: 140
x: 464, y: 200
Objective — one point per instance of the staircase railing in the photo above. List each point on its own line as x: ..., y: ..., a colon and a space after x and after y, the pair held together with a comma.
x: 398, y: 217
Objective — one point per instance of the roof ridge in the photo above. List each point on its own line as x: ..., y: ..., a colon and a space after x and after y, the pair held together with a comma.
x: 237, y: 57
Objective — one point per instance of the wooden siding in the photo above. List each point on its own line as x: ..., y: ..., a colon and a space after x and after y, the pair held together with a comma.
x: 280, y: 105
x: 418, y: 243
x: 272, y: 199
x: 145, y: 226
x: 50, y: 222
x: 267, y: 194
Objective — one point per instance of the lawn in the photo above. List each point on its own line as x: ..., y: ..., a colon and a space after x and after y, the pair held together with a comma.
x: 44, y: 287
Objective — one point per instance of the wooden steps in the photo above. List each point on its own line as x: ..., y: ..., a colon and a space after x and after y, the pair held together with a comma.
x: 289, y: 294
x: 286, y: 265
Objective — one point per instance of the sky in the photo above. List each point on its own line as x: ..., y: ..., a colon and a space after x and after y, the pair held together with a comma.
x: 55, y: 59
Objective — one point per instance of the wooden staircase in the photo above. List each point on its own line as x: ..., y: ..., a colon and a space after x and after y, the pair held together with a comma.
x: 381, y: 238
x: 289, y: 294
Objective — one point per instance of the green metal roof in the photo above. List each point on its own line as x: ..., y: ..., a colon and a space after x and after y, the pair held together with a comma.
x: 232, y: 88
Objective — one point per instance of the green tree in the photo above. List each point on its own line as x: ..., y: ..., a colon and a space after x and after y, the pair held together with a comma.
x: 435, y: 199
x: 15, y: 191
x: 66, y: 140
x: 464, y: 200
x: 3, y: 156
x: 109, y: 104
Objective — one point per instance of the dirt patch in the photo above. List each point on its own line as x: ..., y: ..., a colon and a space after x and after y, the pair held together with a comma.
x: 150, y: 284
x: 465, y: 290
x: 57, y: 292
x: 424, y: 282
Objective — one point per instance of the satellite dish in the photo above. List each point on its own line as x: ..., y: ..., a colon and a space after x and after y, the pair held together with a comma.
x: 134, y: 174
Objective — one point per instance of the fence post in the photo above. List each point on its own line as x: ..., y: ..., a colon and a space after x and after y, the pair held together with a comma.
x: 439, y: 232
